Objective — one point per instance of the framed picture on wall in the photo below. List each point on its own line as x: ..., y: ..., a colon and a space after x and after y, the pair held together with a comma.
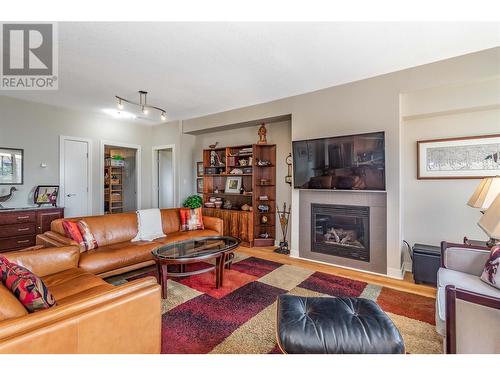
x: 199, y: 185
x: 454, y: 158
x: 199, y: 168
x: 11, y: 166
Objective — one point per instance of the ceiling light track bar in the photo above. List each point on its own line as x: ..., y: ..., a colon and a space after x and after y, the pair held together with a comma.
x: 143, y: 104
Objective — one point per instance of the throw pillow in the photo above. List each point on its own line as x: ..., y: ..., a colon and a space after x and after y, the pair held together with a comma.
x: 491, y: 275
x: 3, y: 267
x: 28, y: 288
x: 191, y: 219
x: 88, y: 238
x: 72, y: 231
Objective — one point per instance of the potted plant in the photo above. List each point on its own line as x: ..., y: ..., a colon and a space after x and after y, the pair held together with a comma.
x: 193, y: 201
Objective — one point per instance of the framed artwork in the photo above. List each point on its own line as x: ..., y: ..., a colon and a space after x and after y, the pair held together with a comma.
x: 454, y: 158
x: 233, y: 185
x: 46, y: 194
x: 11, y: 166
x: 199, y: 185
x: 199, y: 168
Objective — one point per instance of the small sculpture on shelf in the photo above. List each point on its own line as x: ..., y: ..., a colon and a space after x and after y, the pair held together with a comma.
x: 264, y: 235
x: 5, y: 198
x: 264, y: 219
x: 263, y: 208
x: 227, y: 204
x: 246, y: 207
x: 263, y: 163
x: 262, y: 134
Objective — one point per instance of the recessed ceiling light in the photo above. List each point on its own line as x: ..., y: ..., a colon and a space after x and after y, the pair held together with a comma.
x: 119, y: 114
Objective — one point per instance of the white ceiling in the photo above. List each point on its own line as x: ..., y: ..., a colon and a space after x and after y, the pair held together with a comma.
x: 193, y: 69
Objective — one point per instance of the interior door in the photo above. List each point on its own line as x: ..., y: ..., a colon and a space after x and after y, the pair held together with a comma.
x: 165, y: 179
x: 76, y: 170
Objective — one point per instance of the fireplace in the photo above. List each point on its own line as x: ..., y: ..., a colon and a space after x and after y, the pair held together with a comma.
x: 341, y: 230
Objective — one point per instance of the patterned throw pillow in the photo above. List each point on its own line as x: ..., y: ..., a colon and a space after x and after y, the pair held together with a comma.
x: 191, y: 219
x: 3, y: 267
x: 491, y: 275
x: 72, y: 231
x: 88, y: 238
x: 28, y: 288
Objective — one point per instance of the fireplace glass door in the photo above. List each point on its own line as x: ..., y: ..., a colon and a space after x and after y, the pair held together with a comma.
x: 341, y: 230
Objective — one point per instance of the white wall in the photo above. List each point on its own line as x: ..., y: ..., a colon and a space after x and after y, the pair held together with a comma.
x: 436, y: 210
x: 36, y: 128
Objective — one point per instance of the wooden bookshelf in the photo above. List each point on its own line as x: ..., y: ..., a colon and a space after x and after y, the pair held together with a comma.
x: 113, y: 189
x: 257, y: 181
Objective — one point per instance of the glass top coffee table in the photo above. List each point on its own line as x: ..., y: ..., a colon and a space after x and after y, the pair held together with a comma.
x: 195, y: 250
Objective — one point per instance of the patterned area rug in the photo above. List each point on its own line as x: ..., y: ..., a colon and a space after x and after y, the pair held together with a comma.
x: 240, y: 316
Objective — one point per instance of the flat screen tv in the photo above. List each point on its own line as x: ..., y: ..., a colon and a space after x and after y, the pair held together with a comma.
x: 354, y: 162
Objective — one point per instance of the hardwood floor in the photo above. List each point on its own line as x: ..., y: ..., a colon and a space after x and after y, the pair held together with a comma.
x: 406, y: 285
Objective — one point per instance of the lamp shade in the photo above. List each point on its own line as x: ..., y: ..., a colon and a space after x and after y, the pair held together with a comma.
x: 485, y: 193
x: 490, y: 221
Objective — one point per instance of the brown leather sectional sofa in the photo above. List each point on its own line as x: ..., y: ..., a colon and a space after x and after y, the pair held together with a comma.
x: 91, y: 316
x: 116, y: 253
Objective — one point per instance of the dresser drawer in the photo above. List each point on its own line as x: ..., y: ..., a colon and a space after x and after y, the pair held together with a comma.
x: 17, y: 242
x: 14, y: 230
x: 17, y: 218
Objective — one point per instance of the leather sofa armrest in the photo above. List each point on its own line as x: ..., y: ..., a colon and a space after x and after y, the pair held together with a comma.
x: 126, y: 319
x: 471, y: 322
x: 46, y: 261
x: 464, y: 258
x: 213, y: 223
x: 65, y: 241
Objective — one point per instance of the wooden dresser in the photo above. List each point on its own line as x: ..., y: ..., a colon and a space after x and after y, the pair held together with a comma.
x: 19, y: 227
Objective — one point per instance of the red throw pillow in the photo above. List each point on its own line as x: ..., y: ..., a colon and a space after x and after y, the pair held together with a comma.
x: 72, y: 231
x: 191, y: 219
x: 28, y: 288
x: 88, y: 238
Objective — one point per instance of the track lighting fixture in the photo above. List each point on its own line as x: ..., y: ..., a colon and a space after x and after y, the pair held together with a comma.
x: 143, y: 104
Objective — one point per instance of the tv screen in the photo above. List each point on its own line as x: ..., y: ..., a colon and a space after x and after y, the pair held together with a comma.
x: 354, y: 162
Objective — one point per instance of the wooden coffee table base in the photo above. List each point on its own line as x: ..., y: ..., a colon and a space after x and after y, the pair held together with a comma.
x: 222, y: 261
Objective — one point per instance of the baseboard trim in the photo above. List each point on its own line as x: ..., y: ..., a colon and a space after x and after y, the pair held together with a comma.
x: 396, y: 273
x: 349, y: 268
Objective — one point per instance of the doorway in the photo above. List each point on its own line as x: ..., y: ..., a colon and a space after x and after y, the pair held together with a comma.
x: 75, y: 173
x: 164, y: 192
x: 120, y: 177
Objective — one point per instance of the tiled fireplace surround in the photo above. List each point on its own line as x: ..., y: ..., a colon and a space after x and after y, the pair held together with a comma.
x: 376, y: 201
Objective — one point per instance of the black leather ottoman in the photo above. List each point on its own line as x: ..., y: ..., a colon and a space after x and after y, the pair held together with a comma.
x: 315, y: 325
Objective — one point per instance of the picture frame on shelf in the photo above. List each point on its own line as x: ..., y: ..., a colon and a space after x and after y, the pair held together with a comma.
x: 46, y: 194
x: 233, y: 185
x: 199, y: 169
x: 199, y: 185
x: 459, y: 158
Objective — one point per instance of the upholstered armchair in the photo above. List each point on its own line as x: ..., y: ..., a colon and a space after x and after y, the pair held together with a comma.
x: 467, y: 309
